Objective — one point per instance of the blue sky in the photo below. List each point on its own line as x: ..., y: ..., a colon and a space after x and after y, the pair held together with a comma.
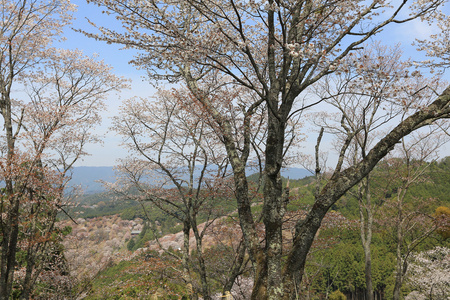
x: 110, y: 151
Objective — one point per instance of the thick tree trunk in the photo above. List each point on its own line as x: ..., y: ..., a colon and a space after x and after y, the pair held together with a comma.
x: 260, y: 278
x: 273, y: 232
x: 274, y: 203
x: 304, y: 236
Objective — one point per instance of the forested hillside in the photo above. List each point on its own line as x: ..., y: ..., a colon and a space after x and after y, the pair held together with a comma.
x: 136, y: 266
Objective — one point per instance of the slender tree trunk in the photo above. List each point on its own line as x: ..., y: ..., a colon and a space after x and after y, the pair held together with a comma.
x: 32, y: 253
x: 185, y: 261
x: 9, y: 248
x: 399, y: 269
x: 201, y: 262
x: 236, y: 270
x: 27, y: 283
x: 366, y: 222
x: 247, y: 224
x: 238, y: 163
x: 11, y: 230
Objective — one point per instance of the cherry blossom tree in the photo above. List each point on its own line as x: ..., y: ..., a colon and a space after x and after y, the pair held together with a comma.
x: 364, y: 98
x: 279, y: 50
x: 49, y: 100
x: 355, y: 93
x: 428, y: 274
x: 178, y: 164
x: 58, y: 121
x: 404, y: 215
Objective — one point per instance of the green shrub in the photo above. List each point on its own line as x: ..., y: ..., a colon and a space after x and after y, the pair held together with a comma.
x: 337, y: 295
x: 131, y: 244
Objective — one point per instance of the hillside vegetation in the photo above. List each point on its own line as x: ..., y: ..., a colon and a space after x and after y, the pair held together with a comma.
x: 111, y: 264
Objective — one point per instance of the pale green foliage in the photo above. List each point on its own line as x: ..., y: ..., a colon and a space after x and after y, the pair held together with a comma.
x: 337, y: 295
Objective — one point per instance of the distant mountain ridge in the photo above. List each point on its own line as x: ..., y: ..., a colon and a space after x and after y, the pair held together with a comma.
x: 88, y: 177
x: 295, y: 173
